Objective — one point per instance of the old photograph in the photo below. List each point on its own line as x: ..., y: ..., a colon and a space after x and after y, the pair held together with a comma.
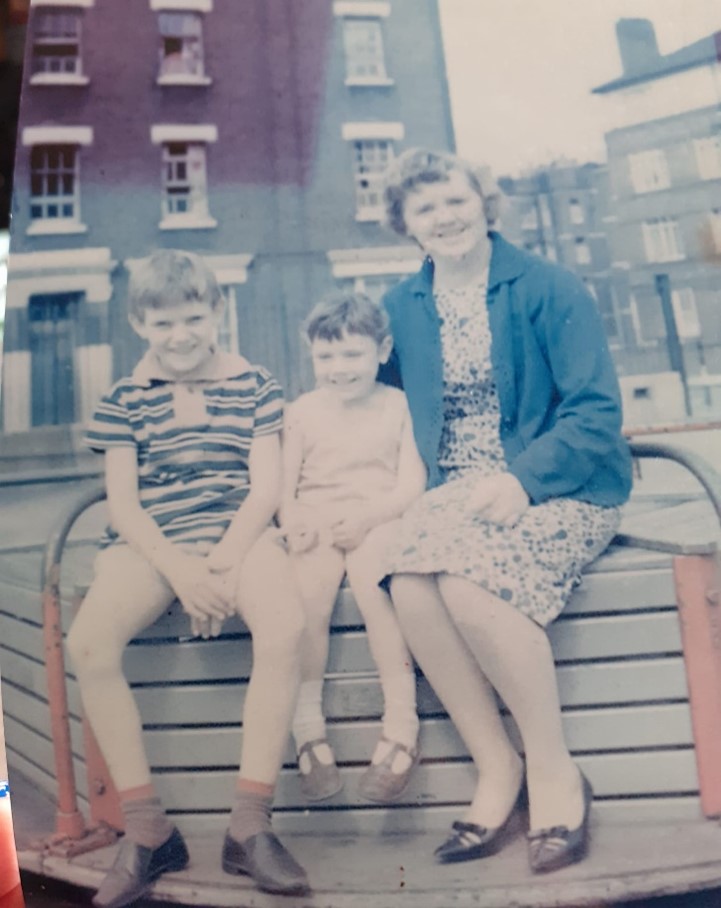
x: 360, y: 466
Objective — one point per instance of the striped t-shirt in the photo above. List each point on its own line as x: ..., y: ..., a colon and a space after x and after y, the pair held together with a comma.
x: 192, y: 441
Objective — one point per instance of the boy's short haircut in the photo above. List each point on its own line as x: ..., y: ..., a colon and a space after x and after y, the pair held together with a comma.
x: 349, y: 313
x: 168, y: 277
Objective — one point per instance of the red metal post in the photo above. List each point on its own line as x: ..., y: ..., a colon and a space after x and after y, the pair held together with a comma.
x: 68, y: 820
x: 103, y: 796
x: 698, y: 594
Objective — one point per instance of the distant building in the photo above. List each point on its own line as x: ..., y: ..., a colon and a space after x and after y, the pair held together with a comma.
x: 252, y: 132
x: 664, y: 163
x: 559, y: 212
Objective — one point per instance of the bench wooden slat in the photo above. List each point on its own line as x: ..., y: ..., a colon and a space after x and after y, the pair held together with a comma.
x: 595, y: 683
x: 353, y: 741
x: 438, y: 818
x: 643, y: 586
x: 591, y: 638
x: 651, y: 773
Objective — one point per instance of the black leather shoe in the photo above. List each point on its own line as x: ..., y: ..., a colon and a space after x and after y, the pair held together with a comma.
x: 470, y: 841
x: 135, y: 868
x: 264, y: 858
x: 559, y: 846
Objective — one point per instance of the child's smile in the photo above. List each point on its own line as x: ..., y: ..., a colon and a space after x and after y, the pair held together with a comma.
x: 182, y: 337
x: 349, y: 365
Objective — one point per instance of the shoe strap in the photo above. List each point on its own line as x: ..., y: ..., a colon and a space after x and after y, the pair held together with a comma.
x: 552, y: 832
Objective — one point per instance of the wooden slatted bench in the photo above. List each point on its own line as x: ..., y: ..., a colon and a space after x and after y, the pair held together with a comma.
x: 625, y: 697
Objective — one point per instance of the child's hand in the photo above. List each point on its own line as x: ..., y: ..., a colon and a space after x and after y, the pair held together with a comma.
x: 301, y: 537
x: 221, y: 559
x: 200, y: 594
x: 206, y: 627
x: 500, y: 499
x: 349, y: 532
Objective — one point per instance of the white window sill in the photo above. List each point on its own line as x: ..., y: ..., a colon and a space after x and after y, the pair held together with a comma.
x: 369, y: 82
x: 365, y: 215
x: 183, y: 79
x: 650, y: 189
x: 187, y: 222
x: 49, y: 226
x: 668, y: 258
x: 82, y: 3
x: 59, y: 79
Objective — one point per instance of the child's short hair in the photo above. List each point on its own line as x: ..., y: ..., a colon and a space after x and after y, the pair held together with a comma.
x: 352, y: 313
x: 168, y: 277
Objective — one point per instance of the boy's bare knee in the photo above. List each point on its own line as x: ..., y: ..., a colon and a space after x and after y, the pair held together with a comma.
x: 280, y: 639
x: 87, y: 653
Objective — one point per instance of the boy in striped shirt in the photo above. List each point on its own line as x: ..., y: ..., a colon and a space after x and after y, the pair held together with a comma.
x: 193, y: 476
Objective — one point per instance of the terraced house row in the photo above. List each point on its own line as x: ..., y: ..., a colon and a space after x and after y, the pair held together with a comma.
x: 254, y: 133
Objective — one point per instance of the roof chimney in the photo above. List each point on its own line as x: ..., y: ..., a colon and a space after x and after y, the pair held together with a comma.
x: 637, y: 44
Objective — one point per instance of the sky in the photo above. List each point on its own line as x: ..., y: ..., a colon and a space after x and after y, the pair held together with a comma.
x: 520, y: 72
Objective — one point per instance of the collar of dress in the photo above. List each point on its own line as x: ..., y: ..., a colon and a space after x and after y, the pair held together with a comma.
x: 507, y: 262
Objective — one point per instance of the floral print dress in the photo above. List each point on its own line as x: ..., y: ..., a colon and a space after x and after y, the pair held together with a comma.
x: 533, y: 565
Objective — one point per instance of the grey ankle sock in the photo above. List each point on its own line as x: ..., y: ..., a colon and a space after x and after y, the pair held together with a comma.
x: 146, y: 823
x: 250, y: 814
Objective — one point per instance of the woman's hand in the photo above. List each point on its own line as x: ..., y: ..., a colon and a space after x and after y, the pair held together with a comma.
x: 499, y: 498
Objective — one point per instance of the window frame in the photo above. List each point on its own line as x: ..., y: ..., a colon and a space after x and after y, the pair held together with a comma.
x: 707, y: 151
x: 663, y: 241
x: 187, y: 76
x: 197, y: 214
x: 685, y: 313
x: 44, y: 223
x: 648, y: 171
x: 365, y: 54
x: 576, y: 213
x: 714, y: 220
x: 364, y: 209
x: 195, y: 138
x: 581, y: 244
x: 56, y: 38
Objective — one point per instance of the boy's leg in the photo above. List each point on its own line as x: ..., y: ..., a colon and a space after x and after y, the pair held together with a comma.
x: 269, y: 603
x: 126, y: 596
x: 388, y: 647
x: 318, y: 574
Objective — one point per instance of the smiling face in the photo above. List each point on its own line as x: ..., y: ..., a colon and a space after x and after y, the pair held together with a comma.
x: 182, y: 337
x: 348, y: 367
x: 447, y: 217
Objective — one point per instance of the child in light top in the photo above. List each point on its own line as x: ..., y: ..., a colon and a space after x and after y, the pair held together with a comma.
x: 351, y: 468
x: 193, y: 476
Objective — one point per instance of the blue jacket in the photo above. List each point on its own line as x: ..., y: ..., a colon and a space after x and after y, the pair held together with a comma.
x: 558, y: 392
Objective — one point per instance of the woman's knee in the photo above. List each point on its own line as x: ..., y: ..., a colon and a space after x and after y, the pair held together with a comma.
x: 410, y: 595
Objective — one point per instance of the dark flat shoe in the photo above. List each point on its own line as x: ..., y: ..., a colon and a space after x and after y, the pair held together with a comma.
x: 136, y: 868
x: 470, y: 841
x: 557, y: 847
x: 264, y: 858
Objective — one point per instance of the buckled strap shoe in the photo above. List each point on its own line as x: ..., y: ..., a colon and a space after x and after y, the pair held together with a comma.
x: 470, y: 841
x: 264, y: 858
x: 136, y: 868
x: 380, y: 783
x: 322, y: 780
x: 558, y: 846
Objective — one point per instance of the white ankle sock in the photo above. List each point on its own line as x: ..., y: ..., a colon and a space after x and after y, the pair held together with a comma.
x: 400, y: 719
x: 308, y: 721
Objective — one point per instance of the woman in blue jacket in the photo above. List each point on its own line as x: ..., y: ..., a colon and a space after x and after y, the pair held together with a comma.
x: 517, y: 416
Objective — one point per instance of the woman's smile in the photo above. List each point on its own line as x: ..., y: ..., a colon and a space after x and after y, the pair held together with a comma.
x: 446, y: 217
